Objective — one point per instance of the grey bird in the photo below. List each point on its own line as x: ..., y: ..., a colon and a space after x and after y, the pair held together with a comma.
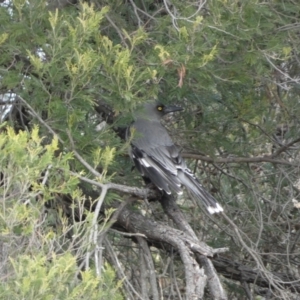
x: 158, y: 159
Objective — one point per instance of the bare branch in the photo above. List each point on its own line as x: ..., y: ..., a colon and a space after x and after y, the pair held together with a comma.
x: 143, y: 274
x: 231, y: 268
x: 229, y: 160
x: 143, y: 193
x: 285, y: 147
x: 94, y: 230
x: 136, y: 13
x: 173, y: 211
x: 117, y: 29
x: 39, y: 118
x: 122, y: 276
x: 150, y: 267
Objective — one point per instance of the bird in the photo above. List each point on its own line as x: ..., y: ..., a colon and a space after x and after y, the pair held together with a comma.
x: 158, y: 159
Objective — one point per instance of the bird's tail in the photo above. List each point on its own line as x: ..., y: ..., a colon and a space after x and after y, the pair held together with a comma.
x: 189, y: 180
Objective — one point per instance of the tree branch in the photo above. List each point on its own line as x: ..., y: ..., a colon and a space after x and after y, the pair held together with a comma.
x: 172, y: 210
x: 285, y: 147
x: 159, y: 233
x: 228, y: 160
x: 162, y: 236
x: 237, y: 271
x: 151, y: 267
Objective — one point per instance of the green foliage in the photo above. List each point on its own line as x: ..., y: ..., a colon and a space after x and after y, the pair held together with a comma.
x: 32, y: 174
x: 233, y: 65
x: 54, y: 277
x: 23, y: 161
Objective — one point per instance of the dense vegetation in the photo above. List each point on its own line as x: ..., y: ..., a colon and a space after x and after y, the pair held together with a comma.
x: 73, y: 220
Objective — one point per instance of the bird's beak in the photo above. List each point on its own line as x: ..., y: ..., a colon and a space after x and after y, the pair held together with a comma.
x: 172, y: 108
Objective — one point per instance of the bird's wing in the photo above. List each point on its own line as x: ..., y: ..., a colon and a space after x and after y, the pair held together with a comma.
x: 157, y: 168
x: 157, y: 158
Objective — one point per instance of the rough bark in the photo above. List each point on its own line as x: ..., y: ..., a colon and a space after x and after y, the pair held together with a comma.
x: 165, y: 237
x: 215, y: 287
x: 184, y: 244
x: 240, y: 272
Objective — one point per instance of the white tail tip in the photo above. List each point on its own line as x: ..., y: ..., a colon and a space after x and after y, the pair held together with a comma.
x: 212, y: 210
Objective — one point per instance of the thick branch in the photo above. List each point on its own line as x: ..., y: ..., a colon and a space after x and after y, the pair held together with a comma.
x: 172, y: 210
x: 159, y: 233
x: 150, y: 267
x: 229, y: 268
x: 195, y: 280
x: 234, y: 270
x: 237, y: 271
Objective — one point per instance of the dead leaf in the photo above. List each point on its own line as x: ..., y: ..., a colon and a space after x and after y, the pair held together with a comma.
x: 181, y: 72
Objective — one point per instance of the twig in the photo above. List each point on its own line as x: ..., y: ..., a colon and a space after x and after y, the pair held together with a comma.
x: 119, y: 269
x: 220, y: 250
x: 136, y: 13
x: 228, y: 160
x: 143, y: 193
x: 259, y: 263
x: 145, y: 13
x: 40, y: 119
x: 117, y: 29
x: 128, y: 234
x: 279, y: 70
x: 94, y: 230
x: 171, y: 15
x: 245, y: 286
x: 151, y: 267
x: 81, y: 159
x: 187, y: 19
x: 46, y: 175
x: 143, y: 274
x: 285, y: 147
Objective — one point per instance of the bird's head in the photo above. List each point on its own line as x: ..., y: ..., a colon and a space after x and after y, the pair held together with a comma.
x: 154, y: 110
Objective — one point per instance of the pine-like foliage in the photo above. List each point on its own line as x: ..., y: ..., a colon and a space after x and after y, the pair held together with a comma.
x: 72, y: 73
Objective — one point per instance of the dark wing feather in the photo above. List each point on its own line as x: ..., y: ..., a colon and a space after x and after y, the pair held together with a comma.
x: 153, y: 169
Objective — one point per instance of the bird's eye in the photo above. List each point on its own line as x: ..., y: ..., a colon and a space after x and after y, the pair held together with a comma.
x: 160, y: 108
